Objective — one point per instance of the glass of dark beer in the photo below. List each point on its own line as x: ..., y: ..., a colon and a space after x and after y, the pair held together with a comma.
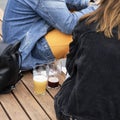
x: 53, y: 75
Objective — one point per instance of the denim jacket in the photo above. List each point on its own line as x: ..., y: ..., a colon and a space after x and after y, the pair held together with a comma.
x: 30, y: 20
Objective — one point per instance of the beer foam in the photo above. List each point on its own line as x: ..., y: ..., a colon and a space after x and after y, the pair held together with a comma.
x: 43, y: 72
x: 53, y: 79
x: 40, y: 78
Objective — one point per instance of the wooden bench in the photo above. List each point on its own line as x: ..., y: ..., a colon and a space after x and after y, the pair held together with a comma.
x: 23, y: 104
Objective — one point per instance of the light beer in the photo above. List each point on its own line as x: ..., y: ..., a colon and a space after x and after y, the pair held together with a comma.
x: 40, y: 84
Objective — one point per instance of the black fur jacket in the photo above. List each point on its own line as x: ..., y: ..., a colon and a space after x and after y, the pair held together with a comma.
x: 92, y: 92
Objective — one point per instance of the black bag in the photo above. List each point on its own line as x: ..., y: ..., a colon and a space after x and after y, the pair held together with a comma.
x: 10, y: 72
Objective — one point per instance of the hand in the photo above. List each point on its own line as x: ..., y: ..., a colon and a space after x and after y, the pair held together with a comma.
x: 97, y: 1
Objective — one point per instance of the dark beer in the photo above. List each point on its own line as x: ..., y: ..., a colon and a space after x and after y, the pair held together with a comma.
x: 53, y: 82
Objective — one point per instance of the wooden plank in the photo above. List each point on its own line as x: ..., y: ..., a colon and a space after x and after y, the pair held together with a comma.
x: 62, y: 77
x: 53, y: 91
x: 3, y: 115
x: 32, y: 108
x: 46, y: 101
x: 12, y: 107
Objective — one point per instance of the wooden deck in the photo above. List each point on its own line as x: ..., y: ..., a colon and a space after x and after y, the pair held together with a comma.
x: 23, y: 104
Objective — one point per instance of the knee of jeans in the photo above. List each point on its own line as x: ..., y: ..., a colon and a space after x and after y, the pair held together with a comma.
x: 67, y: 30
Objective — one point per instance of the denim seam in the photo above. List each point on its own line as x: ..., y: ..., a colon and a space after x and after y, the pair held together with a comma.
x: 37, y: 4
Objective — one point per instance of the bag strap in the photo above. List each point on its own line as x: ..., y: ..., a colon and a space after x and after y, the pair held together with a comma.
x: 4, y: 47
x: 7, y: 90
x: 18, y: 56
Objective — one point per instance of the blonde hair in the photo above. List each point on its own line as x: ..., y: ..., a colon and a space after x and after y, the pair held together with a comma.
x: 107, y: 17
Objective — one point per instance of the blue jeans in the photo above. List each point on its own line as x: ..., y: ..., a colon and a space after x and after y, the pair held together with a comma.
x: 30, y: 20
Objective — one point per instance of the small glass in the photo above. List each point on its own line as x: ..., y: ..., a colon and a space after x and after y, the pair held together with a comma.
x: 40, y: 79
x: 53, y: 75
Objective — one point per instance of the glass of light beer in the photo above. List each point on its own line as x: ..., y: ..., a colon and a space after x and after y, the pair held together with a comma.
x: 40, y: 84
x: 40, y: 81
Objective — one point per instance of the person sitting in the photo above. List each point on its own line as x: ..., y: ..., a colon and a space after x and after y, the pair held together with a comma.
x: 92, y: 91
x: 29, y: 21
